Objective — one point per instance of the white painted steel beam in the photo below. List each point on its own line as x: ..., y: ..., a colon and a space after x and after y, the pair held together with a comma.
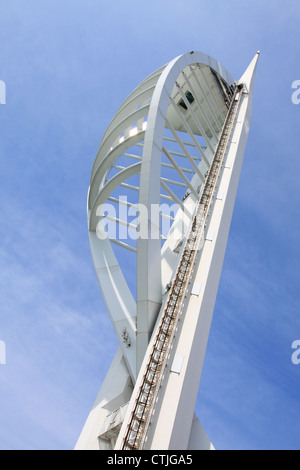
x: 171, y: 194
x: 180, y: 171
x: 185, y: 151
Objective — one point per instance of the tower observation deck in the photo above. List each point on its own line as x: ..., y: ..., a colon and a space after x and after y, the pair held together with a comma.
x: 160, y: 202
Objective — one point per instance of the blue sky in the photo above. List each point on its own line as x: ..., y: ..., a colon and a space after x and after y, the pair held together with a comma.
x: 67, y: 66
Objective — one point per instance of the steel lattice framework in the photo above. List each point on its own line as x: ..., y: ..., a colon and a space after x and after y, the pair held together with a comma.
x: 170, y: 159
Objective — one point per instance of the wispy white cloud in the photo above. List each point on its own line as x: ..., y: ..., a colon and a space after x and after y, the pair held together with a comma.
x: 51, y: 320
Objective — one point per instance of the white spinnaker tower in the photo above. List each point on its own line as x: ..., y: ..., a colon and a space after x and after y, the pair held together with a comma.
x: 171, y: 158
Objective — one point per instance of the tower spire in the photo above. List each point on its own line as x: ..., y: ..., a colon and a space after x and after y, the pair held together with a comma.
x: 248, y: 76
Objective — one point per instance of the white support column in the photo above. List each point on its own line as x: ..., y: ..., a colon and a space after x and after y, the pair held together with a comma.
x: 115, y: 391
x: 198, y: 439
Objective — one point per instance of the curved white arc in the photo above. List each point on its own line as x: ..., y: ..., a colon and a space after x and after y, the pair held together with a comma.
x: 107, y: 161
x: 149, y: 283
x: 109, y: 141
x: 141, y: 95
x: 117, y: 297
x: 149, y: 82
x: 108, y: 189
